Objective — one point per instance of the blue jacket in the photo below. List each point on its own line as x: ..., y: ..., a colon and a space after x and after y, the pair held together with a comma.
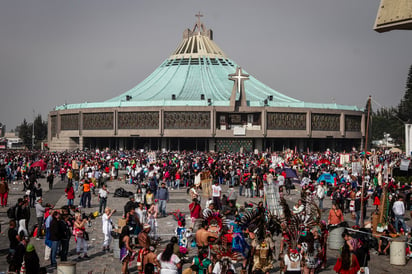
x: 162, y: 194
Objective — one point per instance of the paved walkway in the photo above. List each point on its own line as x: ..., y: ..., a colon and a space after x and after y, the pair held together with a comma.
x: 101, y: 262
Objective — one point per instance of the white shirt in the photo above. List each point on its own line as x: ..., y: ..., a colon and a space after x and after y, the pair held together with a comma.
x: 140, y: 213
x: 106, y: 224
x: 216, y: 190
x: 289, y: 263
x: 218, y: 269
x: 398, y: 208
x: 102, y: 193
x: 281, y: 180
x: 320, y: 192
x: 168, y: 267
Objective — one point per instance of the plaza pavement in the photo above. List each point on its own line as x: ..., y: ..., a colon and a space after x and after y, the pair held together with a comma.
x: 101, y: 262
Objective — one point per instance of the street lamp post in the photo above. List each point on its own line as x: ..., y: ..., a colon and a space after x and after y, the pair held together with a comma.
x: 32, y: 136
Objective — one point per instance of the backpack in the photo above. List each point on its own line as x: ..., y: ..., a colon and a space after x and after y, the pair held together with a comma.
x: 337, y: 196
x: 12, y: 212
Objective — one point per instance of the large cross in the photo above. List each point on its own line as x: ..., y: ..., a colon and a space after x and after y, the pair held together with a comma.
x: 239, y: 78
x: 198, y: 20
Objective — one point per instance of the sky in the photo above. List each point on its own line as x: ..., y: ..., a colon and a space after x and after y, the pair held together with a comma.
x: 322, y: 51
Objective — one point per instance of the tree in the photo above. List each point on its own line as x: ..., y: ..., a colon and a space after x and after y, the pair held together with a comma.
x: 24, y: 132
x: 40, y: 128
x: 405, y: 106
x: 385, y: 120
x: 392, y: 120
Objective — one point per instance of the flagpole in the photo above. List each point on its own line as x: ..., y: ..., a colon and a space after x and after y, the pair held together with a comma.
x: 364, y: 162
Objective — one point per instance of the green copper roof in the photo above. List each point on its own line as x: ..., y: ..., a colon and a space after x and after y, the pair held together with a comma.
x: 195, y: 74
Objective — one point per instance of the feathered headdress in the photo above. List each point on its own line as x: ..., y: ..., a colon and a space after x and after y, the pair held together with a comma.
x: 294, y: 224
x: 260, y: 222
x: 222, y: 254
x: 179, y: 217
x: 215, y: 219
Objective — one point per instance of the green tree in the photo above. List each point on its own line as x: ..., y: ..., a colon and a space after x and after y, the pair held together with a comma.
x: 40, y: 129
x: 24, y: 132
x: 385, y: 120
x: 392, y: 120
x: 405, y: 106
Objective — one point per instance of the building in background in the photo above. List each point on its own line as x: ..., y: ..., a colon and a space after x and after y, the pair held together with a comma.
x: 13, y: 141
x: 200, y: 99
x: 394, y: 15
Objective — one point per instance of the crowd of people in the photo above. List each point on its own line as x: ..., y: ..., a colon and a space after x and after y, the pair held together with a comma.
x: 223, y: 232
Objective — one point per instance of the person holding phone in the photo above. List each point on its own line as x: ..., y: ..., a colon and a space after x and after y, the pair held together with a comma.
x: 107, y: 227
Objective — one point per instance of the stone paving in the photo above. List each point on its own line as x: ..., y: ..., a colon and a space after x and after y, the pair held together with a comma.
x: 101, y: 262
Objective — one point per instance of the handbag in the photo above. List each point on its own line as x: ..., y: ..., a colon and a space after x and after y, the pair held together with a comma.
x: 115, y: 234
x: 86, y: 235
x: 80, y: 233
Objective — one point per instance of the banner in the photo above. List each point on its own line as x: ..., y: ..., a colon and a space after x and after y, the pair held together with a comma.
x: 344, y: 158
x: 356, y: 168
x: 404, y: 165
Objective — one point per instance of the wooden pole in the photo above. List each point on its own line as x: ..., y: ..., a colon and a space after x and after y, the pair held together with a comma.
x: 364, y: 162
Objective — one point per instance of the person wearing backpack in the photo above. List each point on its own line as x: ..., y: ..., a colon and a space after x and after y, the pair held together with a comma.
x: 23, y: 214
x: 13, y: 211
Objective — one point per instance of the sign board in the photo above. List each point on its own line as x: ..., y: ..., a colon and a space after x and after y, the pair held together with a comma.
x: 239, y: 131
x: 356, y: 168
x: 344, y: 158
x: 152, y: 157
x: 404, y: 165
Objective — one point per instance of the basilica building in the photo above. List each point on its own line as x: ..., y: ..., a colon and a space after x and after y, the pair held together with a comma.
x: 200, y: 99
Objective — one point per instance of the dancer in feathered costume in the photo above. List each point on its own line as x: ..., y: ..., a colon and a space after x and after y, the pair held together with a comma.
x: 294, y: 223
x: 209, y: 230
x: 181, y: 231
x: 261, y: 225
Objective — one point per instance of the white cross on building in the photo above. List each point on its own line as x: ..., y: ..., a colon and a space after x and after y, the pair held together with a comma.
x: 238, y: 77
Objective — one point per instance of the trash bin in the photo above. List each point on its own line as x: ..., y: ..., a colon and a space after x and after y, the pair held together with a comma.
x: 116, y: 249
x: 398, y: 250
x: 66, y: 267
x: 335, y: 240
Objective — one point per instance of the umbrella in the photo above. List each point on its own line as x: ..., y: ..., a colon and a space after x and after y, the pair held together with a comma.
x: 40, y: 164
x: 290, y: 173
x: 324, y: 161
x: 327, y: 177
x: 396, y: 150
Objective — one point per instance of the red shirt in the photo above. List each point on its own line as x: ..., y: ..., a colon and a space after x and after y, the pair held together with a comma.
x: 195, y: 210
x: 70, y: 193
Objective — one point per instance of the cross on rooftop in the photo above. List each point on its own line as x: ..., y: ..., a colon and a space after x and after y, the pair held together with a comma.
x: 199, y: 24
x: 238, y: 77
